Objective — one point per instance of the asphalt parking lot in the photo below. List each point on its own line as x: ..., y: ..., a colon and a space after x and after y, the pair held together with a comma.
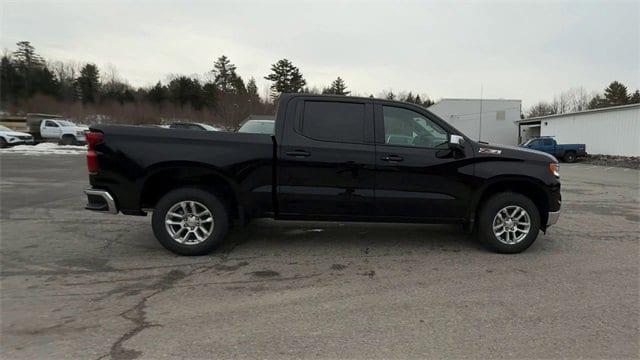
x: 75, y: 284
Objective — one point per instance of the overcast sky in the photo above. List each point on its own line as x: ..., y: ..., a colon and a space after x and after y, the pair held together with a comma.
x: 517, y: 50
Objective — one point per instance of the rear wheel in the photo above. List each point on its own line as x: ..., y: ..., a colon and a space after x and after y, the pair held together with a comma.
x: 190, y: 221
x: 509, y: 222
x: 569, y: 156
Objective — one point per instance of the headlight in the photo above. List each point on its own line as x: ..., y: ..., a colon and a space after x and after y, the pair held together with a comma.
x: 80, y: 133
x: 554, y: 168
x: 12, y: 139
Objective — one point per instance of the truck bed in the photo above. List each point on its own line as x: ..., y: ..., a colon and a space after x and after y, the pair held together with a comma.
x: 132, y: 156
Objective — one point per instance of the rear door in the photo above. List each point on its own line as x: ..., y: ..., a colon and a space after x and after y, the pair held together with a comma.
x: 326, y: 158
x: 418, y: 176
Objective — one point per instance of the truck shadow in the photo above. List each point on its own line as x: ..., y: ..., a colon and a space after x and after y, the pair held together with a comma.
x: 326, y: 237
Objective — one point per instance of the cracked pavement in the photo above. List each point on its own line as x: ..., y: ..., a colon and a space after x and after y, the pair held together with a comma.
x: 75, y: 284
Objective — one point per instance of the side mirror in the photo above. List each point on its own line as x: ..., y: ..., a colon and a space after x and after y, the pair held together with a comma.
x: 456, y: 142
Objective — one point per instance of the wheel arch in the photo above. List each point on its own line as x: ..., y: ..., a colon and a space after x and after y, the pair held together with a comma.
x: 164, y: 177
x: 527, y: 186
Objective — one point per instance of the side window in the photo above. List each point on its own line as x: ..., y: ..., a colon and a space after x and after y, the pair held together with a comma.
x: 409, y: 128
x: 333, y: 121
x: 49, y: 123
x: 547, y: 142
x: 535, y: 143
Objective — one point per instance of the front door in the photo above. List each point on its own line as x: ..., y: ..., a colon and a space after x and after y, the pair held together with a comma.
x: 327, y: 158
x: 50, y: 130
x: 417, y: 175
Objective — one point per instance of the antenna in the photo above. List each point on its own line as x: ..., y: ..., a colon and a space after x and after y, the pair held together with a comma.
x: 480, y: 129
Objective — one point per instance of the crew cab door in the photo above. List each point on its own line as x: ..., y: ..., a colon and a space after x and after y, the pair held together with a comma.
x: 326, y: 159
x: 547, y: 145
x: 50, y: 129
x: 417, y: 175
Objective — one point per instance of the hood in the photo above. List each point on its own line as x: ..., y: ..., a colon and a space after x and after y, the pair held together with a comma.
x: 14, y: 133
x: 514, y: 152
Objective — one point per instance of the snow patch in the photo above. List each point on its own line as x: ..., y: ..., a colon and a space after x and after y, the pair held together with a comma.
x: 45, y: 149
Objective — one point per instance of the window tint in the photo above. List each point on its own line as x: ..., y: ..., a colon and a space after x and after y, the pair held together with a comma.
x: 333, y: 121
x: 409, y: 128
x: 50, y: 124
x: 547, y: 142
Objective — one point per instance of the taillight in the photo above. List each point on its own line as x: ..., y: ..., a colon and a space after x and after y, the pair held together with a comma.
x: 93, y: 138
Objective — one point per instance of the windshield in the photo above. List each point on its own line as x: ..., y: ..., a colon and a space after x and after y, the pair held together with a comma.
x: 4, y: 128
x: 258, y: 127
x: 528, y: 142
x: 65, y: 123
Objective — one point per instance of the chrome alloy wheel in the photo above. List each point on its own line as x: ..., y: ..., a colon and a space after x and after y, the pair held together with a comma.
x: 189, y: 222
x: 511, y: 224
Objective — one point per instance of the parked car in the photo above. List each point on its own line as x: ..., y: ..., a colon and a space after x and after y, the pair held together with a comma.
x: 329, y: 159
x: 567, y: 152
x: 10, y: 137
x: 65, y: 131
x: 193, y: 126
x: 258, y: 127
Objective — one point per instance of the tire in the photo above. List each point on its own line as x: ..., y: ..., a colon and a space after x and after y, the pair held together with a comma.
x: 3, y: 143
x: 519, y: 240
x: 67, y: 140
x: 569, y: 157
x: 190, y: 244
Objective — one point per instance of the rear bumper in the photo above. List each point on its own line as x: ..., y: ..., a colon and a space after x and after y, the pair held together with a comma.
x: 100, y: 200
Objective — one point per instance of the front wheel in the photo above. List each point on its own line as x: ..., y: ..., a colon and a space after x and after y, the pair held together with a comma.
x: 3, y: 143
x: 190, y: 221
x: 509, y: 223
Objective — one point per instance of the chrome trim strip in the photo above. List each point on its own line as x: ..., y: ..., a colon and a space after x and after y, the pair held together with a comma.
x: 111, y: 204
x: 553, y: 217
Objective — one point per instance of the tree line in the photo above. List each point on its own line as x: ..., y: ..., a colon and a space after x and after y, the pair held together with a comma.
x: 578, y: 99
x: 29, y: 83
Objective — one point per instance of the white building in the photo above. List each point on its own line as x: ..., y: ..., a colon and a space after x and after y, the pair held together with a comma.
x: 497, y: 117
x: 609, y: 131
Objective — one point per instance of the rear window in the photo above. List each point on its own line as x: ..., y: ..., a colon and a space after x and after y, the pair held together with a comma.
x: 333, y: 121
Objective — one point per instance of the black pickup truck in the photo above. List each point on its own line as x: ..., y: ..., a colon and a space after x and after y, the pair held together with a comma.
x: 331, y: 158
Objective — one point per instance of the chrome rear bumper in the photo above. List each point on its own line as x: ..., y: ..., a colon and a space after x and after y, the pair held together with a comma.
x: 100, y: 200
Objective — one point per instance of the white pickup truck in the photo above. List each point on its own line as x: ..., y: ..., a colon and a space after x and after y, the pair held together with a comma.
x: 65, y: 131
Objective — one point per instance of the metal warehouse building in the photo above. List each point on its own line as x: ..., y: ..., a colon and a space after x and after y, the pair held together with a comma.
x: 608, y: 131
x: 490, y: 120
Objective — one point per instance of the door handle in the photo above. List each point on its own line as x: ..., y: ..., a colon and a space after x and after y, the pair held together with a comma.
x: 392, y: 158
x: 298, y: 153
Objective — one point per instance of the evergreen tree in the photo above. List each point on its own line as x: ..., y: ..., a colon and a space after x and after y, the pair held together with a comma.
x: 286, y: 78
x: 226, y: 79
x: 158, y: 94
x: 417, y: 99
x: 10, y: 81
x: 252, y: 91
x: 597, y: 102
x: 616, y: 94
x: 635, y: 98
x: 409, y: 98
x: 88, y: 84
x: 210, y: 94
x: 338, y: 87
x: 183, y: 90
x: 26, y: 57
